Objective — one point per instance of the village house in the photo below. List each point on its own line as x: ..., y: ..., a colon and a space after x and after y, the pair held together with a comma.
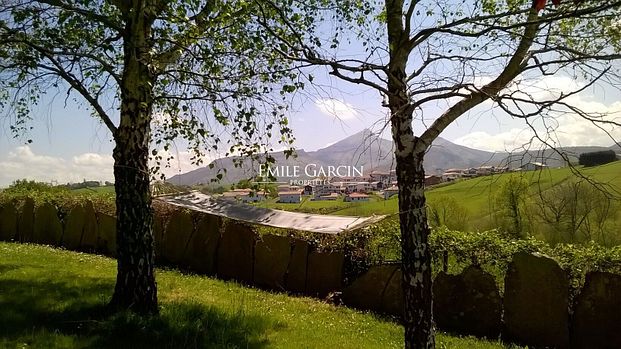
x: 469, y: 173
x: 357, y: 187
x: 452, y: 174
x: 486, y: 170
x: 384, y: 177
x: 284, y: 187
x: 369, y: 186
x: 326, y: 189
x: 533, y: 166
x: 432, y: 180
x: 291, y: 197
x: 356, y: 197
x: 245, y: 195
x: 390, y: 191
x: 343, y: 179
x: 253, y: 196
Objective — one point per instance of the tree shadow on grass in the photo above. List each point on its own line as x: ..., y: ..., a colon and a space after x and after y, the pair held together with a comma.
x: 33, y: 309
x: 8, y: 267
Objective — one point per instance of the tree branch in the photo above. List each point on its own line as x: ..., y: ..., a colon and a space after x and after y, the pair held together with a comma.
x: 513, y: 68
x: 107, y: 21
x: 75, y: 83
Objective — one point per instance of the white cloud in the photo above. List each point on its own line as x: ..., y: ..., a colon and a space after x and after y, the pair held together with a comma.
x: 336, y: 108
x: 22, y: 162
x: 93, y: 159
x: 511, y: 140
x: 560, y: 127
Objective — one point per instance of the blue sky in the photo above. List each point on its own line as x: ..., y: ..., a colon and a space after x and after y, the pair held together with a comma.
x: 70, y: 145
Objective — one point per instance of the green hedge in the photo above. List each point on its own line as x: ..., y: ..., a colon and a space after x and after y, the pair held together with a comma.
x: 493, y: 250
x: 62, y: 198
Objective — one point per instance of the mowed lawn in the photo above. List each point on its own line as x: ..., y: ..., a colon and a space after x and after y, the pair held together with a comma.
x: 52, y: 298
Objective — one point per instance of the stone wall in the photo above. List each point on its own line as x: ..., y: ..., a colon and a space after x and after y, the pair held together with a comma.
x: 534, y: 310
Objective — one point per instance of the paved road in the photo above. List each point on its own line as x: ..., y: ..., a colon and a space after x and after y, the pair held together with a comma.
x: 265, y: 216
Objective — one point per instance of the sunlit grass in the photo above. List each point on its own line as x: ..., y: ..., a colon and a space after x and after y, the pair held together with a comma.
x: 478, y: 194
x: 51, y: 298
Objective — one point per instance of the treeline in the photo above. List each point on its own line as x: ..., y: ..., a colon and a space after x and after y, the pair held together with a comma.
x: 87, y: 184
x: 597, y: 158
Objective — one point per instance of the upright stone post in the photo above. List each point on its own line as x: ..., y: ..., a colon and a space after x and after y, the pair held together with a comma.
x: 536, y: 302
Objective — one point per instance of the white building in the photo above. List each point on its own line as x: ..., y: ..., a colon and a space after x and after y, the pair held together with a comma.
x: 356, y: 197
x: 533, y: 166
x: 291, y: 197
x: 326, y: 189
x: 452, y: 174
x: 389, y: 192
x: 245, y: 195
x: 384, y: 177
x: 486, y: 170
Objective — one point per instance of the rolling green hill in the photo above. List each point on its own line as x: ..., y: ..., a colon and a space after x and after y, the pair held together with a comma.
x: 477, y: 193
x: 478, y: 199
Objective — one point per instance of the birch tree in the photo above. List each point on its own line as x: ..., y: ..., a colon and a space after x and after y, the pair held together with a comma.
x: 211, y: 75
x: 456, y: 55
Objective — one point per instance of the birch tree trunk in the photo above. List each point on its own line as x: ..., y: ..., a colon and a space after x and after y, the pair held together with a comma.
x: 415, y: 254
x: 135, y: 285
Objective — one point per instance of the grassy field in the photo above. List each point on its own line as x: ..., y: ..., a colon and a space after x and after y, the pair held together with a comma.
x: 321, y: 206
x: 51, y: 298
x: 477, y: 193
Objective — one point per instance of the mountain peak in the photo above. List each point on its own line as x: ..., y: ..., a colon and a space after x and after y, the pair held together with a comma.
x: 365, y: 149
x: 359, y: 139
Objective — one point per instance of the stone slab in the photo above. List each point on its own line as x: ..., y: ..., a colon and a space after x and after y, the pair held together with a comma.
x: 392, y: 300
x: 366, y: 291
x: 468, y: 303
x: 324, y: 273
x: 48, y: 228
x: 8, y: 222
x: 296, y: 273
x: 597, y: 314
x: 202, y: 249
x: 90, y: 232
x: 272, y: 255
x: 25, y: 225
x: 236, y: 253
x: 107, y: 234
x: 536, y: 301
x: 178, y: 232
x: 74, y: 227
